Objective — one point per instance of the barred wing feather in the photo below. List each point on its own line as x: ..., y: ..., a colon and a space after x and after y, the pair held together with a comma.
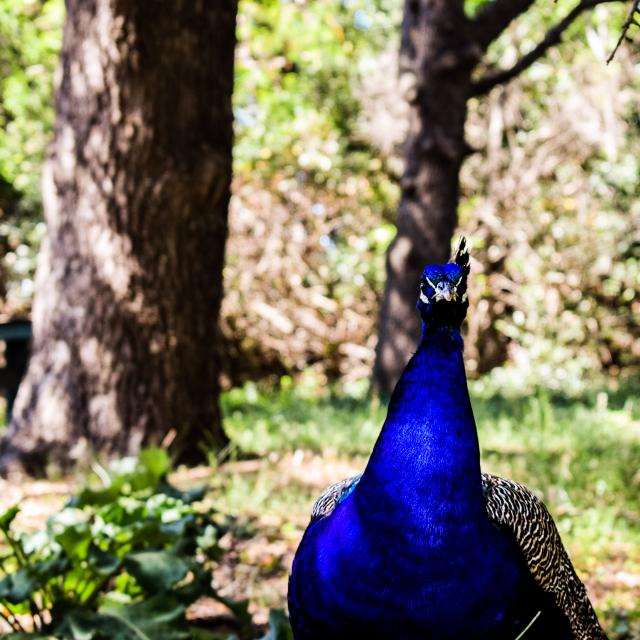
x: 513, y: 507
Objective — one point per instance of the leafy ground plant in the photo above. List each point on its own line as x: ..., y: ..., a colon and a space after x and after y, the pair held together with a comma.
x: 121, y: 562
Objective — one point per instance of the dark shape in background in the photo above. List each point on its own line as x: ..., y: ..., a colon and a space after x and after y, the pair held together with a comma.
x: 16, y: 336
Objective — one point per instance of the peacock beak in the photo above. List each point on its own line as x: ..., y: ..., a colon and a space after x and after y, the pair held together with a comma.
x: 445, y: 291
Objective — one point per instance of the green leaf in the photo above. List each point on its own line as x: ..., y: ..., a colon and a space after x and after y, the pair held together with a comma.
x: 29, y: 636
x: 156, y: 570
x: 104, y: 562
x: 208, y: 542
x: 239, y: 608
x: 17, y: 587
x: 176, y: 528
x: 198, y: 586
x: 97, y: 497
x: 155, y: 461
x: 8, y: 516
x: 141, y: 534
x: 49, y: 568
x: 204, y: 634
x: 161, y: 616
x: 280, y: 627
x: 190, y: 495
x: 83, y: 624
x: 75, y: 540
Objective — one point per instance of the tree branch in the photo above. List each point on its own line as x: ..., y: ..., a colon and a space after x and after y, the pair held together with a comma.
x: 631, y: 19
x: 552, y: 38
x: 494, y: 18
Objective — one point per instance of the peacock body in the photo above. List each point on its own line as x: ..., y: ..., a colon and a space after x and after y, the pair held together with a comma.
x: 422, y: 545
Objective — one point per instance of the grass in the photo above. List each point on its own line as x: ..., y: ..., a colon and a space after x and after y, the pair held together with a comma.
x: 581, y: 455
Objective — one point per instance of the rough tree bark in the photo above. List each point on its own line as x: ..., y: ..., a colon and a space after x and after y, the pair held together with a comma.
x: 440, y: 49
x: 129, y: 279
x: 438, y: 54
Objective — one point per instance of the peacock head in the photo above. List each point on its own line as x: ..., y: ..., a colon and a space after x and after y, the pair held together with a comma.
x: 443, y: 290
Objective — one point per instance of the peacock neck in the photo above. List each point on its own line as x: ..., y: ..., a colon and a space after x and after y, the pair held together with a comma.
x: 425, y: 466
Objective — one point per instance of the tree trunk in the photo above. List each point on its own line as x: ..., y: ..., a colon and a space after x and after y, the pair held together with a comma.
x: 129, y: 278
x: 438, y: 54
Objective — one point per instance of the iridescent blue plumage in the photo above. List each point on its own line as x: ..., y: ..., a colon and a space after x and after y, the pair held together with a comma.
x: 408, y: 551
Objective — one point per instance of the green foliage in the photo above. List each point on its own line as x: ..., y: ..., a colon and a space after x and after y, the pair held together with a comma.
x: 319, y: 123
x: 121, y: 561
x: 308, y: 177
x: 30, y: 39
x: 550, y: 201
x: 581, y: 452
x: 295, y: 104
x: 557, y: 191
x: 280, y: 629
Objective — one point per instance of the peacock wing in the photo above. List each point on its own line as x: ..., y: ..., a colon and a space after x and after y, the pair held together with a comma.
x: 332, y: 497
x: 515, y: 509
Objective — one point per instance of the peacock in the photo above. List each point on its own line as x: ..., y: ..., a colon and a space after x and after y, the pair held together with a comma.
x: 423, y: 545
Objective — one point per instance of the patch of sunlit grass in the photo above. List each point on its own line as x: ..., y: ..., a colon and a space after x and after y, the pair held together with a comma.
x: 581, y: 455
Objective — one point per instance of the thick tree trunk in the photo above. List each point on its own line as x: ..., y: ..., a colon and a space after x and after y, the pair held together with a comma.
x: 437, y: 57
x: 130, y: 276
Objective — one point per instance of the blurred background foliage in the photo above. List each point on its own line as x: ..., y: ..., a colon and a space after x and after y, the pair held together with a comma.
x: 550, y: 202
x: 551, y: 198
x: 30, y: 40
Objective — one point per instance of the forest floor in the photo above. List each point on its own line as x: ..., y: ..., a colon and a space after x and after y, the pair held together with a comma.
x: 582, y: 456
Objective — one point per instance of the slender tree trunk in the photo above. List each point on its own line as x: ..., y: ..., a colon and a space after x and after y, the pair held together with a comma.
x: 437, y: 57
x: 130, y: 276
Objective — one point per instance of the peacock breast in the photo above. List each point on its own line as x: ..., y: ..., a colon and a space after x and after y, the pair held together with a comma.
x: 405, y: 581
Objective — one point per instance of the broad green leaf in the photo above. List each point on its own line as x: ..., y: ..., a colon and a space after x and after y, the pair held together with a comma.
x: 126, y: 585
x: 280, y: 627
x: 155, y: 461
x: 83, y: 624
x: 142, y: 534
x: 159, y: 617
x: 30, y: 636
x: 208, y: 542
x: 104, y: 562
x: 204, y: 634
x: 75, y: 540
x: 17, y: 586
x: 176, y: 529
x: 49, y: 568
x: 156, y: 570
x: 198, y: 586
